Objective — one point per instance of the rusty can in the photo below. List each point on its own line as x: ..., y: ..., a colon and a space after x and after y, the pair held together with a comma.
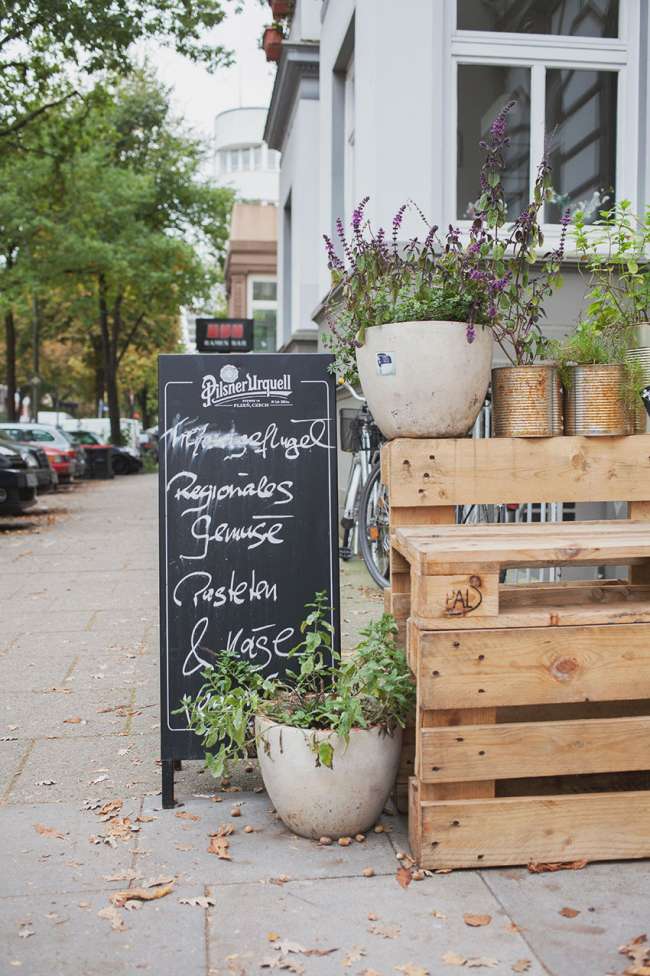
x: 527, y: 401
x: 594, y: 404
x: 642, y: 357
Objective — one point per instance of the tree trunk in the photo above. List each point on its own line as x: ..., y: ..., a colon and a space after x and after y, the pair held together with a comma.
x: 10, y: 358
x: 109, y: 335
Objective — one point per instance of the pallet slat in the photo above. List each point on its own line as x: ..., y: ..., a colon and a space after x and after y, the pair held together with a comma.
x: 427, y: 473
x: 509, y: 751
x: 517, y: 830
x: 528, y: 666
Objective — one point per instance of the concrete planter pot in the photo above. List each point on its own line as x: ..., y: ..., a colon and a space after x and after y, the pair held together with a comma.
x: 315, y: 801
x: 424, y: 379
x: 527, y: 401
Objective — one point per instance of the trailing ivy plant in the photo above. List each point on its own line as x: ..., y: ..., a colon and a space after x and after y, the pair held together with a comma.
x: 371, y: 688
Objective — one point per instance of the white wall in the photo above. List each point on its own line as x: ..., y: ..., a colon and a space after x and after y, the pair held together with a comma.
x: 299, y: 183
x: 242, y: 128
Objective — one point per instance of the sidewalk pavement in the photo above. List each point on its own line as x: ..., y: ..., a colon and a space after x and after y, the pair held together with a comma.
x: 81, y: 821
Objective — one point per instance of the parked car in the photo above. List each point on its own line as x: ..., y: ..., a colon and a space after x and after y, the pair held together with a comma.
x: 101, y: 427
x: 18, y: 482
x: 37, y: 462
x: 67, y: 460
x: 123, y: 461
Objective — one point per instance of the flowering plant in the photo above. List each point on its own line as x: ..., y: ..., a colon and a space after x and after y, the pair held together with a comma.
x: 489, y: 278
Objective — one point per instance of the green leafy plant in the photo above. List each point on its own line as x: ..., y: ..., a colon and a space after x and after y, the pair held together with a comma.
x: 592, y: 345
x: 372, y: 688
x: 614, y: 255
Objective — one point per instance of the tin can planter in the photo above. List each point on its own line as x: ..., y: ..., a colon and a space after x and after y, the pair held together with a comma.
x: 641, y: 355
x: 424, y: 379
x: 526, y: 401
x: 594, y: 404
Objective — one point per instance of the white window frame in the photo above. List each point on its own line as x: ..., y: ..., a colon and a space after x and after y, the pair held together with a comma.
x: 541, y: 51
x: 349, y: 138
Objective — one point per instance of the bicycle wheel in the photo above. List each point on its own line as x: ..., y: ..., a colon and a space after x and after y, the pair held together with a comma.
x: 374, y: 528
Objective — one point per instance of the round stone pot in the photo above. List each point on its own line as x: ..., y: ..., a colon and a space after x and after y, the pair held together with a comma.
x: 424, y: 379
x: 315, y: 801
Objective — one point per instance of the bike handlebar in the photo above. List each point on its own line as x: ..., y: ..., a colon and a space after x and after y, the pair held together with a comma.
x: 353, y: 392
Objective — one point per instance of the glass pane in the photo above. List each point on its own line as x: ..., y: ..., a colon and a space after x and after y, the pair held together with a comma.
x: 581, y: 126
x: 483, y: 90
x: 257, y: 157
x: 265, y: 291
x: 264, y: 330
x: 578, y: 18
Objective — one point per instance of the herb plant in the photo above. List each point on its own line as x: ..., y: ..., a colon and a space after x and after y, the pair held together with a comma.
x: 592, y: 345
x: 372, y: 688
x: 614, y: 253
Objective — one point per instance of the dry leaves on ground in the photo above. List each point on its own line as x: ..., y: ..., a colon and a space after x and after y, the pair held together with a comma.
x: 109, y: 809
x: 410, y: 970
x: 119, y: 898
x: 75, y: 720
x: 471, y: 962
x: 286, y: 947
x: 540, y: 867
x: 144, y: 819
x: 185, y: 815
x: 128, y: 875
x: 201, y: 901
x: 638, y: 951
x: 355, y: 954
x: 476, y: 921
x: 111, y: 913
x: 385, y: 931
x: 569, y: 912
x: 280, y: 880
x: 521, y: 966
x: 48, y: 831
x: 25, y: 930
x: 404, y: 876
x: 219, y: 844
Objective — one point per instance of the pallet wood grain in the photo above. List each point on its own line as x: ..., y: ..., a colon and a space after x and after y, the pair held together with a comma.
x: 518, y: 830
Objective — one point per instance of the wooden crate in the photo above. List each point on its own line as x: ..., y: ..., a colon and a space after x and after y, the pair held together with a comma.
x: 532, y: 726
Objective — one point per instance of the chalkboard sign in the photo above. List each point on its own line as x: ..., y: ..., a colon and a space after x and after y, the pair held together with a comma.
x: 224, y: 335
x: 248, y: 523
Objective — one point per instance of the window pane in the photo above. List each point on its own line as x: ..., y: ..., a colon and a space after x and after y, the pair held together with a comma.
x: 257, y: 156
x: 579, y: 18
x: 581, y: 125
x: 265, y: 291
x: 483, y: 90
x: 264, y: 330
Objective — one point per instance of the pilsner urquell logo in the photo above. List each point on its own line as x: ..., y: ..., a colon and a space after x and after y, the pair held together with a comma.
x: 230, y: 387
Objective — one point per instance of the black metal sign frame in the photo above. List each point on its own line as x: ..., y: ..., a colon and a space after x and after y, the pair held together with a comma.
x: 224, y: 335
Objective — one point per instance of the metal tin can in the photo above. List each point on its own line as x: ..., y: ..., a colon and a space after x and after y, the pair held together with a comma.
x: 593, y: 402
x: 641, y: 356
x: 527, y: 401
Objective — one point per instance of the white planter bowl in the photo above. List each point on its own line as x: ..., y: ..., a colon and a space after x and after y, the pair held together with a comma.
x: 315, y: 801
x: 424, y: 379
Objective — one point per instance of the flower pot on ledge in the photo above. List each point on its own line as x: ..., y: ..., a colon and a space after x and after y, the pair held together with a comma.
x: 424, y: 379
x: 272, y: 43
x: 594, y: 405
x: 280, y: 8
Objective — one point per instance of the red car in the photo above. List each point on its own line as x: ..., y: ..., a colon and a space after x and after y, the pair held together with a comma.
x: 67, y: 460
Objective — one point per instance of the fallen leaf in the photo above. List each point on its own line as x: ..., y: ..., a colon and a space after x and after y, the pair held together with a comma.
x: 453, y: 959
x: 569, y: 912
x: 410, y: 970
x: 25, y: 931
x: 76, y: 720
x: 481, y: 961
x: 184, y: 815
x: 219, y: 845
x: 521, y: 966
x: 638, y: 950
x: 282, y: 962
x: 404, y: 876
x: 438, y: 915
x: 385, y: 931
x: 46, y: 782
x: 539, y: 867
x: 199, y: 902
x: 476, y: 921
x: 354, y: 955
x: 128, y: 875
x: 369, y: 972
x: 162, y: 880
x: 113, y: 916
x: 48, y: 831
x: 118, y: 898
x: 100, y: 779
x: 144, y: 819
x: 280, y: 880
x: 110, y: 808
x: 272, y: 936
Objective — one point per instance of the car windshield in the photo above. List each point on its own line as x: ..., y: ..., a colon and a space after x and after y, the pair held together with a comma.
x: 82, y: 437
x: 34, y: 434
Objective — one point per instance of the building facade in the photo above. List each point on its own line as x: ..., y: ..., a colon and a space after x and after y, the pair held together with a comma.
x: 390, y: 101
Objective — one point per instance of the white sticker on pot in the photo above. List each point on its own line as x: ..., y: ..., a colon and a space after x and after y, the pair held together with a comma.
x: 385, y: 364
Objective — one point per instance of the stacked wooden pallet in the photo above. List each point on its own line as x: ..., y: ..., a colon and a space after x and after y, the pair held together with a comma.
x: 532, y: 732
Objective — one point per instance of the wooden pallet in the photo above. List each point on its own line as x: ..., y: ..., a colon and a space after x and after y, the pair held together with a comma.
x: 532, y: 727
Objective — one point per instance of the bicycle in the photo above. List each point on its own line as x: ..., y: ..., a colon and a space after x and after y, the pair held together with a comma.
x: 365, y: 520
